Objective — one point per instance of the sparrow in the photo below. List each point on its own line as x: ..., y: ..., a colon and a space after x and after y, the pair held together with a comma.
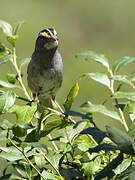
x: 45, y: 70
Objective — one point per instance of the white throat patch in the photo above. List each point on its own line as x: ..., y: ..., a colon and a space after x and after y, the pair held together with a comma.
x: 51, y: 45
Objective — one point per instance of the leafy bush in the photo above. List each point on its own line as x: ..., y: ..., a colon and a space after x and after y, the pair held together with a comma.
x: 52, y: 145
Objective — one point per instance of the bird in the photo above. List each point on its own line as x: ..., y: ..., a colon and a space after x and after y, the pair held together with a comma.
x: 45, y: 69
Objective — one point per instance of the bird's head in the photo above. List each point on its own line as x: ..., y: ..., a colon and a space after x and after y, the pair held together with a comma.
x: 47, y: 39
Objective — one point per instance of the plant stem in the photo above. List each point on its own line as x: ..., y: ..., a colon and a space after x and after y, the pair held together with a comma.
x: 14, y: 62
x: 55, y: 146
x: 52, y: 165
x: 27, y: 159
x: 123, y: 121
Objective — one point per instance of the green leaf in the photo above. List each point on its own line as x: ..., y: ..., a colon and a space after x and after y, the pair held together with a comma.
x: 12, y: 39
x: 51, y: 125
x: 71, y: 96
x: 11, y: 156
x: 39, y: 145
x: 11, y: 78
x: 74, y: 131
x: 132, y: 111
x: 18, y: 131
x: 18, y: 26
x: 123, y: 79
x: 124, y: 142
x: 92, y: 166
x: 131, y: 77
x: 8, y: 85
x: 12, y: 153
x: 126, y: 95
x: 87, y: 168
x: 99, y: 77
x: 33, y: 136
x: 84, y: 146
x: 21, y: 170
x: 107, y: 171
x: 95, y: 56
x: 24, y: 62
x: 24, y: 113
x: 5, y: 124
x: 3, y: 136
x: 54, y: 159
x: 123, y: 166
x: 48, y: 176
x: 2, y: 48
x: 89, y: 107
x: 7, y: 99
x: 5, y: 58
x: 122, y: 62
x: 6, y: 28
x: 40, y: 161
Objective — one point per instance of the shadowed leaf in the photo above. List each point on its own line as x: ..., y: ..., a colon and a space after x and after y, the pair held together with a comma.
x: 108, y: 170
x: 124, y: 142
x: 97, y: 134
x: 104, y: 147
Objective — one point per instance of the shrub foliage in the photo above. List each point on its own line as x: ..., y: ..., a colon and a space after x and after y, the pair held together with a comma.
x: 53, y: 145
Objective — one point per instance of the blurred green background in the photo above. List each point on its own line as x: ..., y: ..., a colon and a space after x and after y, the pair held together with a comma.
x: 104, y: 26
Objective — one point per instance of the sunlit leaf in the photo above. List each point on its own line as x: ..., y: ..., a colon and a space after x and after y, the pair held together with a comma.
x: 40, y: 161
x: 89, y: 107
x: 74, y: 131
x: 24, y: 113
x: 39, y: 145
x: 54, y: 159
x: 95, y: 56
x: 6, y: 28
x: 48, y: 175
x: 122, y: 62
x: 7, y: 100
x: 99, y: 77
x: 123, y: 166
x: 71, y: 97
x: 8, y: 85
x: 21, y: 170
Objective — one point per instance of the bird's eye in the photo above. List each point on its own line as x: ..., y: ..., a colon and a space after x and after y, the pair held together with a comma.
x: 54, y: 32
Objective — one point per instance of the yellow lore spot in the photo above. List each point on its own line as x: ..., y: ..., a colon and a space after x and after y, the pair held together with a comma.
x: 54, y: 32
x: 45, y: 34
